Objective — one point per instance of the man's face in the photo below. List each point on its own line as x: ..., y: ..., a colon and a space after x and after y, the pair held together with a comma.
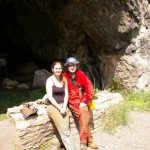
x: 72, y: 68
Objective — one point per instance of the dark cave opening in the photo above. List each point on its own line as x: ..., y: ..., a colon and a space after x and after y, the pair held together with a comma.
x: 16, y: 61
x: 21, y: 40
x: 15, y: 53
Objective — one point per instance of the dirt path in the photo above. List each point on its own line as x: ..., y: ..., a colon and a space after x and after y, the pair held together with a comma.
x: 6, y: 135
x: 134, y: 136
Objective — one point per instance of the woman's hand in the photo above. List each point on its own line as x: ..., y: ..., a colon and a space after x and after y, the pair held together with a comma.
x: 63, y: 111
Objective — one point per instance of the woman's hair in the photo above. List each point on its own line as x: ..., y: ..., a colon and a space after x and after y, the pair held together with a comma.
x: 55, y: 63
x: 61, y: 78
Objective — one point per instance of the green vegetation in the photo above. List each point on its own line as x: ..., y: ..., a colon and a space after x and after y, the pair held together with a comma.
x: 118, y: 114
x: 116, y: 85
x: 139, y: 101
x: 48, y: 145
x: 9, y: 99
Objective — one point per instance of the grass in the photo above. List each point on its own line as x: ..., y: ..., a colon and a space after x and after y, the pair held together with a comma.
x: 118, y: 114
x: 9, y: 99
x: 3, y: 117
x: 46, y: 146
x: 138, y: 100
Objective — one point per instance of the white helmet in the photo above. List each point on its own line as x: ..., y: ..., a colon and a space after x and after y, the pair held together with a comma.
x: 71, y: 60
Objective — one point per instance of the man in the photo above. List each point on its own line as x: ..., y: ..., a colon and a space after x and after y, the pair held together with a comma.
x: 80, y: 94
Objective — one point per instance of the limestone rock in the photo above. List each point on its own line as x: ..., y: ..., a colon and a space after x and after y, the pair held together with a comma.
x: 38, y: 129
x: 7, y: 83
x: 23, y: 86
x: 40, y: 78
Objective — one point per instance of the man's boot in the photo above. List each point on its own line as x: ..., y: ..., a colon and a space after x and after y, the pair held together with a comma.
x: 92, y: 145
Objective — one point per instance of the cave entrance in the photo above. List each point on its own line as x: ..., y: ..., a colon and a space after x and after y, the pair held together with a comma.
x: 3, y: 65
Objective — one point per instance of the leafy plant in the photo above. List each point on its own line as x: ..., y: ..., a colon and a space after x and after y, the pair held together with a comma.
x: 116, y: 84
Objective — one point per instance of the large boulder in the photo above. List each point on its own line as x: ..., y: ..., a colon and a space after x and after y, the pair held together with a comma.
x: 40, y: 78
x: 34, y: 131
x: 9, y: 84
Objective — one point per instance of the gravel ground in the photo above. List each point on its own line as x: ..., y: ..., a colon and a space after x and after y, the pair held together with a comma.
x: 7, y: 135
x: 134, y: 136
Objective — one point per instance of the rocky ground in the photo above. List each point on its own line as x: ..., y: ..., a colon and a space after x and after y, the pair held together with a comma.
x: 134, y: 136
x: 7, y: 135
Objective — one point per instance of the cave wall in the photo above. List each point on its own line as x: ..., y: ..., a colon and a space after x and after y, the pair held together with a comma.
x: 107, y: 37
x: 29, y: 26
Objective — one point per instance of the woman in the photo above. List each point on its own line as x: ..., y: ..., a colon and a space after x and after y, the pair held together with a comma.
x: 57, y: 94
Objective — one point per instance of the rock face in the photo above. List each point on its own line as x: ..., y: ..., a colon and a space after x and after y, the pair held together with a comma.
x: 34, y: 131
x: 109, y: 38
x: 40, y: 78
x: 133, y: 69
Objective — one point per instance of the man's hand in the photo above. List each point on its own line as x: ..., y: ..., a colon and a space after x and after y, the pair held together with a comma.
x: 82, y: 105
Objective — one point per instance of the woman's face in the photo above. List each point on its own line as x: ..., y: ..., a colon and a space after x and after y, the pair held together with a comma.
x: 57, y: 70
